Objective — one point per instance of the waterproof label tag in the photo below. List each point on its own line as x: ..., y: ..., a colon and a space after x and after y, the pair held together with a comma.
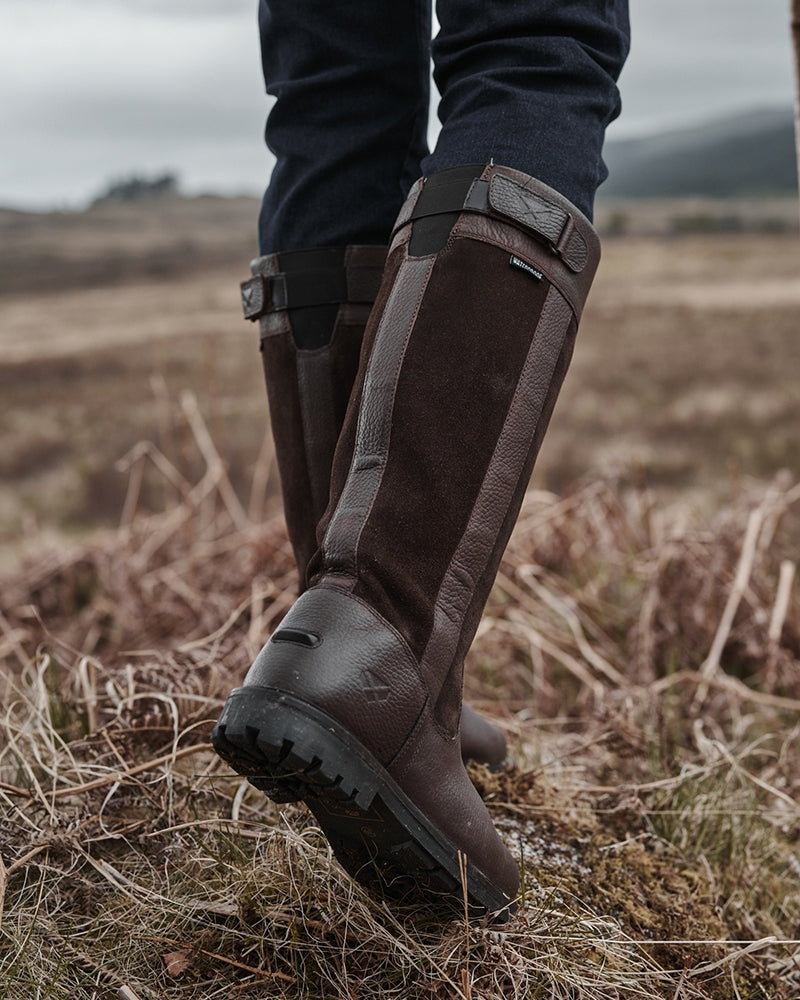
x: 523, y: 265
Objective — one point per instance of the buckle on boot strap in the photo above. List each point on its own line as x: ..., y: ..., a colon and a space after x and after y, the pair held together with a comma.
x: 268, y: 293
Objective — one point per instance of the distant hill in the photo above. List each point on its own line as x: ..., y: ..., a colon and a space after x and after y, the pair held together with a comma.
x: 746, y: 155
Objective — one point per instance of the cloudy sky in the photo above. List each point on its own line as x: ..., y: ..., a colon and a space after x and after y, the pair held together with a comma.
x: 92, y: 90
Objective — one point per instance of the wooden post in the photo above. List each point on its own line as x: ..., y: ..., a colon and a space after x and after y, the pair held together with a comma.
x: 795, y: 24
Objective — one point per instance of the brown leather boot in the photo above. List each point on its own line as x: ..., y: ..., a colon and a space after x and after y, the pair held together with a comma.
x: 313, y: 306
x: 354, y: 703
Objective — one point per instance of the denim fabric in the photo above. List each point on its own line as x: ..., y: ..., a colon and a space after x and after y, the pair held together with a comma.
x: 528, y: 83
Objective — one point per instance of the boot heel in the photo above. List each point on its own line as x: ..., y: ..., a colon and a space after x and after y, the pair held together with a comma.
x: 283, y: 749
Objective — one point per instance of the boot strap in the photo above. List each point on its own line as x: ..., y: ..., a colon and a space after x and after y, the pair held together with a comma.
x: 501, y: 196
x: 268, y: 293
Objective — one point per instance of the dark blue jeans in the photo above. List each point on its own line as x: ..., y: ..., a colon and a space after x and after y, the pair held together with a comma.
x: 528, y: 83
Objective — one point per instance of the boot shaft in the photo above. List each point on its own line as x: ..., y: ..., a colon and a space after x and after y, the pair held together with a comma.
x: 312, y: 307
x: 464, y: 356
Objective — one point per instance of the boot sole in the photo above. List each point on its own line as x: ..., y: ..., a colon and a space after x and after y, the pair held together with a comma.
x: 292, y: 751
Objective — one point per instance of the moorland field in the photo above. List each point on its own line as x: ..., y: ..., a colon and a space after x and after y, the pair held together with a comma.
x: 641, y: 647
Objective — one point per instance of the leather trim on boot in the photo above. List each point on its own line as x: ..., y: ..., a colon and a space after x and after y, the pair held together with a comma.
x: 341, y: 539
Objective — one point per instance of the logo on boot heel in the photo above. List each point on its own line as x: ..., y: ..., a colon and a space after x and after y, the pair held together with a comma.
x: 375, y: 687
x: 523, y: 265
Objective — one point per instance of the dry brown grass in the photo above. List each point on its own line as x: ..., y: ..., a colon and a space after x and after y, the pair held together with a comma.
x: 642, y: 659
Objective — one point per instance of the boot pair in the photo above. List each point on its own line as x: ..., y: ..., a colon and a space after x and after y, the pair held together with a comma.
x: 354, y: 704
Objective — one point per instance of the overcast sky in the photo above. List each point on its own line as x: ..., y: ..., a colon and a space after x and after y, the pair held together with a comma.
x: 92, y: 90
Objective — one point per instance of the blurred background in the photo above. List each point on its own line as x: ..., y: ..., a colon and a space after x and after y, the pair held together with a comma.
x: 130, y: 172
x: 95, y: 90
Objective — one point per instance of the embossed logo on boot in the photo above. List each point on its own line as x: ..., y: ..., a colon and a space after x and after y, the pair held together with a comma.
x: 252, y: 297
x: 375, y: 688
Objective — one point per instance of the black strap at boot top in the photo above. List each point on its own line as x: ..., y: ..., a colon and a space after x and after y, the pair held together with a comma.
x: 451, y: 192
x: 310, y: 278
x: 438, y: 207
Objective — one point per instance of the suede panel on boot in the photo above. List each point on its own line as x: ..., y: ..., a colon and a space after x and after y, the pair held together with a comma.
x: 458, y: 376
x: 475, y: 610
x: 500, y: 492
x: 447, y: 707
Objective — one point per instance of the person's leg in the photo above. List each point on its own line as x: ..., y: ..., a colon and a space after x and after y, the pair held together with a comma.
x: 349, y: 123
x: 348, y: 130
x: 530, y: 84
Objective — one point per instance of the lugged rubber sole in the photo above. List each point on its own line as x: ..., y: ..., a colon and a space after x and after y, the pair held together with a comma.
x: 293, y: 751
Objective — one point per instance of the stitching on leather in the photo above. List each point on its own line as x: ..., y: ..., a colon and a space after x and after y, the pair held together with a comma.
x: 426, y: 715
x: 545, y: 217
